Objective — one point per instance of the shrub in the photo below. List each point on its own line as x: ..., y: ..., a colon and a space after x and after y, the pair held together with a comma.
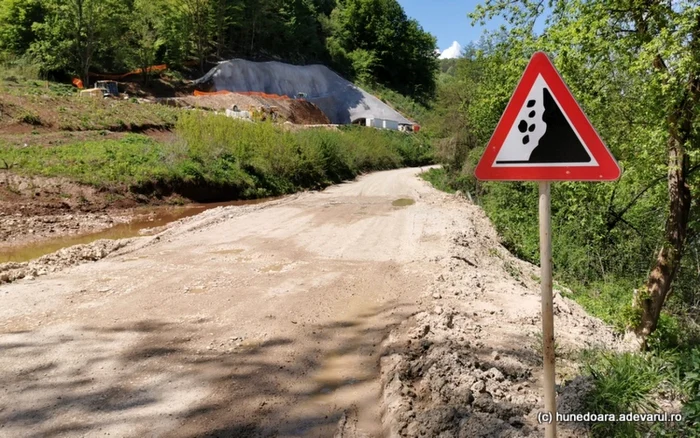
x: 216, y: 158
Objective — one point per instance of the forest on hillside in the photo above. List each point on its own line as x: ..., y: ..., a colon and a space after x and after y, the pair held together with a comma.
x: 372, y: 41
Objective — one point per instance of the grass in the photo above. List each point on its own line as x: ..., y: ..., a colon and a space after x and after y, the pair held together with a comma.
x: 631, y: 382
x: 450, y: 182
x: 217, y: 158
x: 609, y: 300
x: 439, y: 179
x: 59, y: 106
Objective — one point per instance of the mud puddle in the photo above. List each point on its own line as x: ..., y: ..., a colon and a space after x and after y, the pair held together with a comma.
x: 146, y: 221
x: 403, y: 202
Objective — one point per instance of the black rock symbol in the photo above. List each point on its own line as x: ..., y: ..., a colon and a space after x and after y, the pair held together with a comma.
x: 531, y: 103
x: 559, y: 144
x: 524, y: 128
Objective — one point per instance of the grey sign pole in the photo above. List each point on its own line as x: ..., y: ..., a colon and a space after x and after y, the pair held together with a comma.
x: 550, y: 404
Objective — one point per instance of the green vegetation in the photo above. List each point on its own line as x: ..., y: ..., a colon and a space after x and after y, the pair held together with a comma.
x: 439, y: 179
x: 629, y: 382
x: 629, y: 250
x: 403, y: 202
x: 216, y: 157
x: 372, y: 41
x: 57, y: 106
x: 609, y: 237
x: 375, y: 41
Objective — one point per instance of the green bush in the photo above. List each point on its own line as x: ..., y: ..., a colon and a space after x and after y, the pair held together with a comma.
x: 227, y: 158
x: 449, y: 182
x: 609, y: 300
x: 439, y: 179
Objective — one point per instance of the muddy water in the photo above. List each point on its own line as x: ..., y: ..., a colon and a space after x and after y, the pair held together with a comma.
x: 145, y: 219
x: 403, y: 202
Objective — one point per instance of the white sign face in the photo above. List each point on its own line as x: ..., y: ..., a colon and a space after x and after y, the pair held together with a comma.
x: 543, y: 135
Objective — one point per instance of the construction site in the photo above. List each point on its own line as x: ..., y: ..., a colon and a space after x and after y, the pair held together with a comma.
x: 257, y: 91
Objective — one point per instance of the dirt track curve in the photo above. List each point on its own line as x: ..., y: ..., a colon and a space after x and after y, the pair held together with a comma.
x: 243, y: 321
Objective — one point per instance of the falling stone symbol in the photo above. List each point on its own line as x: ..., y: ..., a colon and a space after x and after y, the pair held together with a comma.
x: 543, y: 133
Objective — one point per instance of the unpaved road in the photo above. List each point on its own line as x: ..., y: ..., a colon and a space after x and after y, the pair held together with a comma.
x: 243, y: 321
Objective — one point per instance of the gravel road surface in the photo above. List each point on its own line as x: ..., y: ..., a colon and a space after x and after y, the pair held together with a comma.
x: 263, y: 320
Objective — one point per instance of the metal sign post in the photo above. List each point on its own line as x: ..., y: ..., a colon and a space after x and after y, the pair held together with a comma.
x: 550, y: 404
x: 544, y: 136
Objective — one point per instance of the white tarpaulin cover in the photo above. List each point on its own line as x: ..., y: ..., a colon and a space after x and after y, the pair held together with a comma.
x: 342, y: 101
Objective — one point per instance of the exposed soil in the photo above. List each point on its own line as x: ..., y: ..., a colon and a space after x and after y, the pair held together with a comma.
x: 34, y: 209
x: 300, y: 112
x: 260, y: 320
x: 470, y: 364
x: 350, y: 312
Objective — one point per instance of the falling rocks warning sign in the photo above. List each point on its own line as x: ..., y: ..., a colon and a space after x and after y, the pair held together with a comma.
x: 544, y: 135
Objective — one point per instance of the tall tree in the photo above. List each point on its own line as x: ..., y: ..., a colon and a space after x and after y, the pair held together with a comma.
x: 74, y: 31
x: 645, y: 56
x: 666, y: 36
x: 88, y: 23
x: 376, y: 38
x: 300, y: 39
x: 197, y: 14
x: 17, y: 18
x: 146, y: 27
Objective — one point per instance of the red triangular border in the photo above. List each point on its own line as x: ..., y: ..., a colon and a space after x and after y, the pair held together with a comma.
x: 607, y: 169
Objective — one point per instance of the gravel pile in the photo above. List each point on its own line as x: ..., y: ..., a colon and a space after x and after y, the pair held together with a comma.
x: 61, y: 259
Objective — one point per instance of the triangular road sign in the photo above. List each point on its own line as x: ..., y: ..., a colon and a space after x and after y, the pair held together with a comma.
x: 544, y: 135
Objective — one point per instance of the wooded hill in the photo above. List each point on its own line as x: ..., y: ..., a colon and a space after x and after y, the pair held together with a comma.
x: 372, y: 41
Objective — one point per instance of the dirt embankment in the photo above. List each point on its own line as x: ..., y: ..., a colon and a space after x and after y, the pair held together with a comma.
x: 295, y: 111
x: 469, y: 365
x: 35, y: 209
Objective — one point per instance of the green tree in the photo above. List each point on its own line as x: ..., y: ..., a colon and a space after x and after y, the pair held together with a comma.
x: 636, y: 68
x: 75, y: 34
x: 197, y: 14
x: 146, y: 30
x: 375, y: 38
x: 17, y: 18
x: 301, y: 34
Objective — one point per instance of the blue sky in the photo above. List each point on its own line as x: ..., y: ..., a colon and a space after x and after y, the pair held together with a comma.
x: 447, y: 20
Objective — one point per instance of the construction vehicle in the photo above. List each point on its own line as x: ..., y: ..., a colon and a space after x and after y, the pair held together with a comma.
x: 109, y: 88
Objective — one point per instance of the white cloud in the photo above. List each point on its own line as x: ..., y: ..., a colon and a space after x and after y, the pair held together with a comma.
x: 454, y: 51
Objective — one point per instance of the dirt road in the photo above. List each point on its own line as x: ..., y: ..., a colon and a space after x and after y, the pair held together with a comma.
x: 243, y: 321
